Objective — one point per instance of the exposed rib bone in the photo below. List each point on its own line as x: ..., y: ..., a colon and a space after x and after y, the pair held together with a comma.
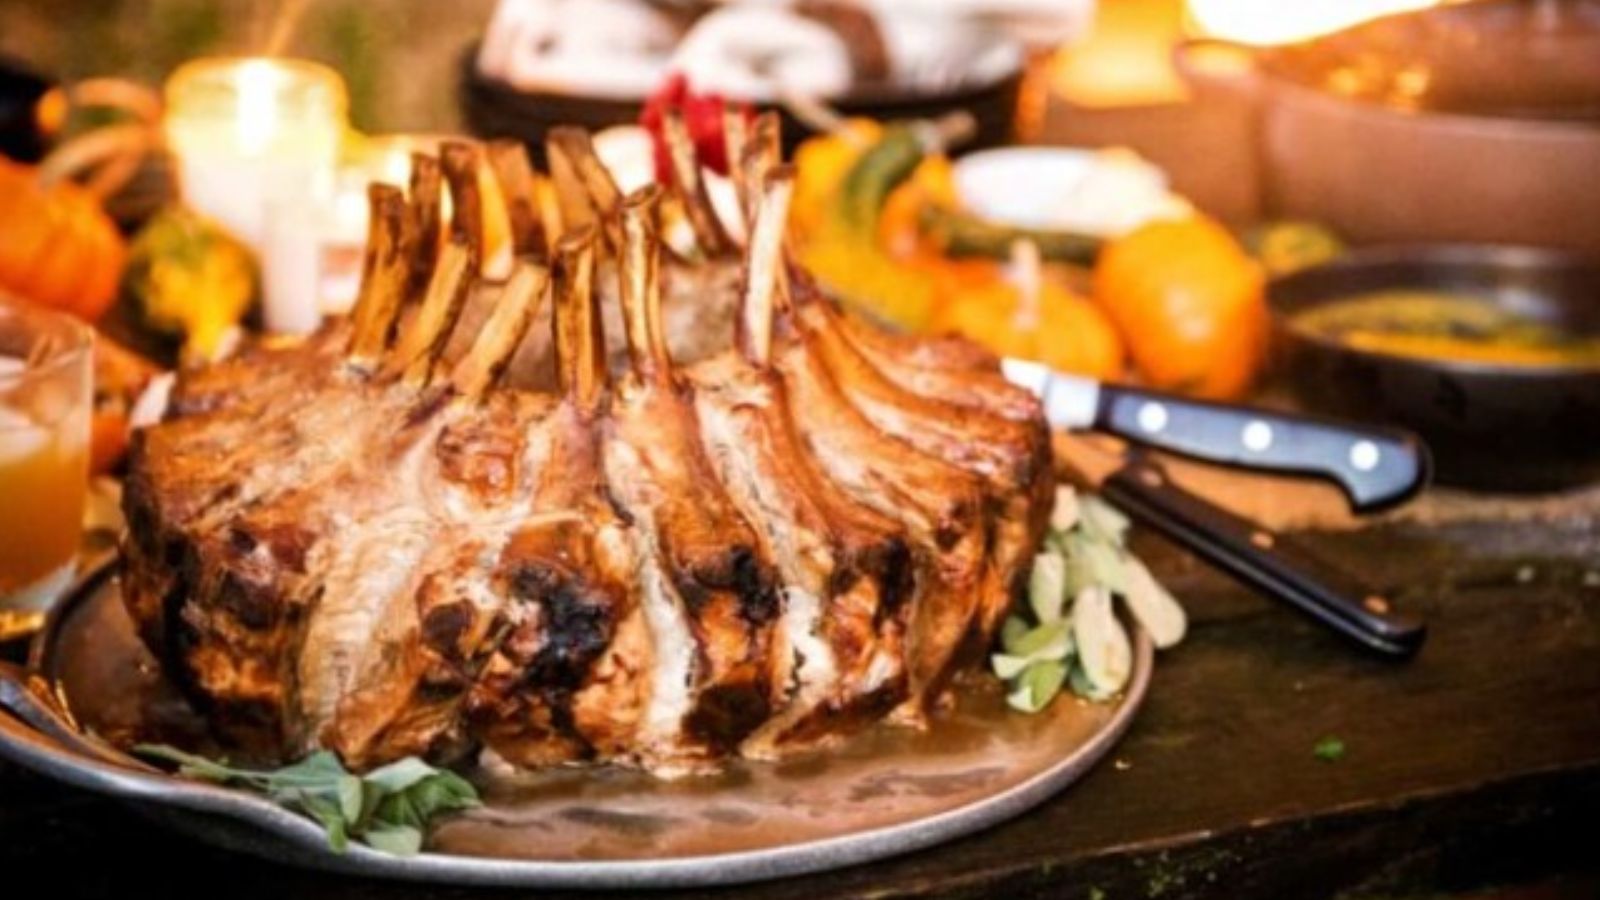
x: 764, y: 267
x: 497, y: 342
x: 752, y: 554
x: 579, y: 342
x: 548, y: 205
x: 572, y: 199
x: 762, y: 152
x: 423, y: 206
x: 385, y: 273
x: 509, y: 160
x: 460, y: 163
x: 641, y: 286
x: 691, y: 186
x: 735, y: 135
x: 423, y: 338
x: 587, y: 193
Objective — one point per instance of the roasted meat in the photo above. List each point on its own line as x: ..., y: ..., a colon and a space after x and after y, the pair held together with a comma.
x: 390, y: 540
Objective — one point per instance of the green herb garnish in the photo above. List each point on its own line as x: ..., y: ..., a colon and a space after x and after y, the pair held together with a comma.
x: 1329, y: 749
x: 1041, y: 645
x: 388, y: 809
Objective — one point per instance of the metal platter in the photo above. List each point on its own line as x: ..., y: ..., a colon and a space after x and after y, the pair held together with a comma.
x: 92, y: 687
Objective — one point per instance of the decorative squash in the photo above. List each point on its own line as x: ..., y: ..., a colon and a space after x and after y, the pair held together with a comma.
x: 188, y: 277
x: 58, y: 248
x: 1190, y: 305
x: 1056, y: 327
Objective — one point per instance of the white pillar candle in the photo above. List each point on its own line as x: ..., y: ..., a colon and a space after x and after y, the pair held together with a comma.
x: 257, y: 142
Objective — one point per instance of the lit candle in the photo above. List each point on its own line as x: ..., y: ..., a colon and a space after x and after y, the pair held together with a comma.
x: 249, y: 130
x: 257, y: 142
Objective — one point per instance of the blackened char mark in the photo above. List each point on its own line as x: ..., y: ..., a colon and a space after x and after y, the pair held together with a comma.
x: 758, y: 594
x: 724, y: 715
x: 739, y: 570
x: 889, y: 564
x: 576, y: 628
x: 576, y: 623
x: 444, y: 627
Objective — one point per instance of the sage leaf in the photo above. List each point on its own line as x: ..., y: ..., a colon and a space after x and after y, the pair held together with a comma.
x: 1156, y: 610
x: 1047, y: 586
x: 1102, y: 563
x: 1007, y: 666
x: 189, y: 765
x: 400, y: 840
x: 1038, y: 686
x: 324, y: 810
x: 1048, y: 641
x: 1103, y: 647
x: 438, y: 793
x: 1101, y: 519
x: 1012, y: 631
x: 399, y: 776
x: 388, y: 809
x: 1083, y: 687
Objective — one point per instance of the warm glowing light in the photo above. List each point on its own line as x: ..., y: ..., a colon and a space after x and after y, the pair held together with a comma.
x: 258, y: 84
x: 250, y: 132
x: 1270, y: 22
x: 1125, y: 60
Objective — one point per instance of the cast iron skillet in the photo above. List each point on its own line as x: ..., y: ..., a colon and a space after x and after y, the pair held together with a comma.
x: 1524, y: 428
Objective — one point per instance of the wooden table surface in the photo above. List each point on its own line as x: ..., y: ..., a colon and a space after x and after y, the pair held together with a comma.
x: 1475, y: 765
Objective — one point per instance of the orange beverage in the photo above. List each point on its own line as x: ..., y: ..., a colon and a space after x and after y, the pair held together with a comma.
x: 45, y: 399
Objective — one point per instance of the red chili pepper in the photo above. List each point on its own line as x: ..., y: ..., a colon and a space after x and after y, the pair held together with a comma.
x: 702, y: 113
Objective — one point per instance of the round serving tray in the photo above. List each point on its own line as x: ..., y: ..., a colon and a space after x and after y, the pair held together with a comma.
x: 92, y: 687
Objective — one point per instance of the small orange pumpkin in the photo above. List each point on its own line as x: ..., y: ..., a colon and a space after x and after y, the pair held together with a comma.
x: 1189, y: 303
x: 58, y: 248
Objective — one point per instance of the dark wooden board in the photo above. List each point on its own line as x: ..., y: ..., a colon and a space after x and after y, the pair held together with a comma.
x: 1476, y: 764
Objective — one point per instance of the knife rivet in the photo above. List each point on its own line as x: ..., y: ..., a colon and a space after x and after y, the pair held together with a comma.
x: 1257, y: 436
x: 1376, y: 605
x: 1151, y: 477
x: 1364, y: 455
x: 1263, y: 539
x: 1152, y: 418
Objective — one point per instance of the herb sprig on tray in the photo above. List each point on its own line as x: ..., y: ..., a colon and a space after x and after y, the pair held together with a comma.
x: 388, y: 809
x: 1069, y: 635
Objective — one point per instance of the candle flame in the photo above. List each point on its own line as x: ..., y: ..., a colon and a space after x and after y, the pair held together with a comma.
x: 257, y: 118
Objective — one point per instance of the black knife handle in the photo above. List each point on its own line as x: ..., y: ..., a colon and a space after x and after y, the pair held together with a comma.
x: 1375, y: 467
x: 1266, y: 561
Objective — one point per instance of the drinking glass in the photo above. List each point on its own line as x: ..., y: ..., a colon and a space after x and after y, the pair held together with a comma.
x: 46, y: 394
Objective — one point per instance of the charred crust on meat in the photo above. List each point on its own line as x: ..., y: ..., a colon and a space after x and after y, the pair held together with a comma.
x: 250, y: 603
x: 759, y: 601
x: 444, y: 627
x: 576, y: 630
x: 726, y: 714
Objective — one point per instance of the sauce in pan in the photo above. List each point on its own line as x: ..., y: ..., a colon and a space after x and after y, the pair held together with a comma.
x: 1444, y: 325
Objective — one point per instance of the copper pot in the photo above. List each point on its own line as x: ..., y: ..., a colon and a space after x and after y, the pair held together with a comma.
x: 1474, y: 122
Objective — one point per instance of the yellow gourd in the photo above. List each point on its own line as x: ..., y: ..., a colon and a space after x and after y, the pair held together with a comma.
x: 188, y: 277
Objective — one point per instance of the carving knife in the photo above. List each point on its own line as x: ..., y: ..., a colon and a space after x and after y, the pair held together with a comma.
x: 1374, y: 467
x: 1271, y: 562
